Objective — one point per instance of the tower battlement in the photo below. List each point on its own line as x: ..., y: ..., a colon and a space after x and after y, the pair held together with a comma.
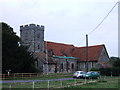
x: 31, y: 26
x: 32, y: 36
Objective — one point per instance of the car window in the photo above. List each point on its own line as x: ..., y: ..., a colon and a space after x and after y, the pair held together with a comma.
x: 76, y: 72
x: 93, y: 73
x: 88, y: 72
x: 96, y: 73
x: 82, y: 72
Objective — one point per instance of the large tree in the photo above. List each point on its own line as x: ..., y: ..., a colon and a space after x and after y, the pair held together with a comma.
x: 14, y: 56
x: 115, y: 61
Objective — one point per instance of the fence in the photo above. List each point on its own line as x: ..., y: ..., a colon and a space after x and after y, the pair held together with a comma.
x: 46, y: 84
x: 18, y: 75
x: 59, y: 83
x: 29, y: 75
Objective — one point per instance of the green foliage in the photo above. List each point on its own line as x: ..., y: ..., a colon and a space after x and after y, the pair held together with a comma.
x: 105, y: 71
x: 115, y: 70
x: 94, y: 69
x: 14, y: 56
x: 117, y: 63
x: 113, y: 60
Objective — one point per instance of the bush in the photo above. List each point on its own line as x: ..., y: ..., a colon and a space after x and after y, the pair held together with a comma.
x: 116, y: 71
x: 94, y: 69
x: 107, y: 71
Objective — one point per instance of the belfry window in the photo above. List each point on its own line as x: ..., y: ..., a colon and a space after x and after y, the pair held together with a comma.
x: 38, y: 35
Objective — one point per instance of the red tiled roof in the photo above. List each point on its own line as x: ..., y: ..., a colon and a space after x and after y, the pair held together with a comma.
x: 78, y: 52
x: 93, y: 53
x: 60, y: 49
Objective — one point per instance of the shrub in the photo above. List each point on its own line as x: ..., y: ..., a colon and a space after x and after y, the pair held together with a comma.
x: 116, y: 71
x: 107, y: 71
x: 94, y: 69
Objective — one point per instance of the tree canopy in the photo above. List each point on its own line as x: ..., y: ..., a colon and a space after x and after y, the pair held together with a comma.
x: 14, y: 56
x: 115, y: 61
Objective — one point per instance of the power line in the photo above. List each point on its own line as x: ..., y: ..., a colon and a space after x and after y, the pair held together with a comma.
x: 81, y: 41
x: 103, y: 18
x: 100, y: 22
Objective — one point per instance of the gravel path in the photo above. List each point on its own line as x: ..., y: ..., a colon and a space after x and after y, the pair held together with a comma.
x: 14, y: 81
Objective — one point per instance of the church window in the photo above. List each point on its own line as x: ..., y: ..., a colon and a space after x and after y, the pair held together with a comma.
x: 62, y: 67
x: 72, y: 66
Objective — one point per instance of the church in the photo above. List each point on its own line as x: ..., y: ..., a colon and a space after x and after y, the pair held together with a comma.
x: 55, y: 57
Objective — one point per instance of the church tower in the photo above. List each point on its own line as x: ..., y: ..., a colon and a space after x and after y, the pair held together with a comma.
x: 32, y: 37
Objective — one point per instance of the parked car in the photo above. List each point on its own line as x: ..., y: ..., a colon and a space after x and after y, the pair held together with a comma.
x: 92, y: 74
x: 79, y: 74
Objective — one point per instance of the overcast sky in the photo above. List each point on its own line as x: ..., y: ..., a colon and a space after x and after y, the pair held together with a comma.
x: 66, y: 21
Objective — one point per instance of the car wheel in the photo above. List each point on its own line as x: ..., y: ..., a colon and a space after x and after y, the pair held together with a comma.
x: 79, y: 77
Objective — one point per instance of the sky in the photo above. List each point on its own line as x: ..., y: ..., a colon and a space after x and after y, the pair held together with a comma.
x: 66, y: 21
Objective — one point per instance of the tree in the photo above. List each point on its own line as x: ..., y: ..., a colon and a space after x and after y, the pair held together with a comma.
x: 115, y: 61
x: 115, y: 69
x: 14, y: 56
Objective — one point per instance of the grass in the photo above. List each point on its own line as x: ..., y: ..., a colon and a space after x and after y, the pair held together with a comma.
x: 52, y: 84
x: 46, y: 77
x: 104, y: 82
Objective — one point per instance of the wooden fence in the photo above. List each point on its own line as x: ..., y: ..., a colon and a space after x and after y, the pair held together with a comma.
x: 19, y: 75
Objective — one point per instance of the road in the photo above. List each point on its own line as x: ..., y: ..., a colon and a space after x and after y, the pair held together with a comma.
x: 15, y: 81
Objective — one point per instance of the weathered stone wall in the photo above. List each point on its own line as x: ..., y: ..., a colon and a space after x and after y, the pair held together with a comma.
x: 33, y: 37
x: 82, y: 65
x: 51, y: 68
x: 65, y: 65
x: 104, y: 56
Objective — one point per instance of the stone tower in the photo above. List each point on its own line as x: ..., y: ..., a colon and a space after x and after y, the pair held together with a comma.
x: 32, y: 37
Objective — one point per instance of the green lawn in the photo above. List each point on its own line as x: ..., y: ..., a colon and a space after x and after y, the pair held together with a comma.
x: 104, y: 82
x: 46, y: 77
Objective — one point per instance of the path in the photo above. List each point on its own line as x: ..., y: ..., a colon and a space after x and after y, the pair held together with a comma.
x: 14, y: 81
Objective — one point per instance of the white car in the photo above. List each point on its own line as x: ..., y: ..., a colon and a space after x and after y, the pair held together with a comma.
x: 79, y: 74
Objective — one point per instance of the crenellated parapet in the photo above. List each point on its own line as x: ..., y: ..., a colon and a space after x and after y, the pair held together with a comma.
x: 31, y: 26
x: 32, y: 36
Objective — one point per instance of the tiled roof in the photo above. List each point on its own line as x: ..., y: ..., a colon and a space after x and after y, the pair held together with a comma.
x: 93, y: 53
x: 59, y: 49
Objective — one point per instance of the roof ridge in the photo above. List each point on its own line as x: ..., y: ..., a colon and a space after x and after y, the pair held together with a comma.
x: 59, y: 43
x: 91, y: 46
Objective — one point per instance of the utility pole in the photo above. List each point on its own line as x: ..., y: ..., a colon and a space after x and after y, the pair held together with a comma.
x: 46, y: 58
x: 86, y: 53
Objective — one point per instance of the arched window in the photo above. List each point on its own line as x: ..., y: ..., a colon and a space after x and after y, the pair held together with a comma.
x: 61, y: 67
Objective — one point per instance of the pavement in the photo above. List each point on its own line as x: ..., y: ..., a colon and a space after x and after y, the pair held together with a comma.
x: 15, y: 81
